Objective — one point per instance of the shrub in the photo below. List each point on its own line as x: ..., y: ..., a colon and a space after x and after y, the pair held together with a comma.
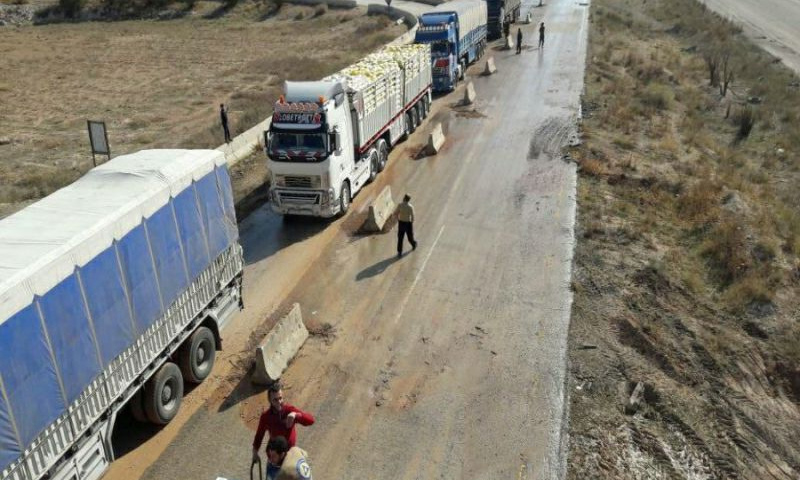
x: 71, y: 8
x: 726, y: 247
x: 658, y: 97
x: 745, y: 120
x: 320, y: 9
x: 699, y: 200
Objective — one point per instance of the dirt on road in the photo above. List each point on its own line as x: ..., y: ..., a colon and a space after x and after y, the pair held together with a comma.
x: 684, y: 342
x: 158, y: 83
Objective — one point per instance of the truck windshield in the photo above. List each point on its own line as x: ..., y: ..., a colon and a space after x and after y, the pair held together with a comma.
x: 441, y: 47
x: 309, y: 145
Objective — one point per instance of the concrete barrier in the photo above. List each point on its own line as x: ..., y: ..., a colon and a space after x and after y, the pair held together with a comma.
x: 279, y: 347
x: 435, y: 139
x: 490, y: 67
x: 469, y: 94
x: 379, y: 211
x: 528, y: 18
x: 509, y: 42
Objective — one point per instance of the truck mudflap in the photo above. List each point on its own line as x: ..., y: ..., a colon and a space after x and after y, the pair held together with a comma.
x: 115, y: 385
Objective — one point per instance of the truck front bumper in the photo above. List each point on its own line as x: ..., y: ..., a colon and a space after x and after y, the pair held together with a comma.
x: 311, y: 203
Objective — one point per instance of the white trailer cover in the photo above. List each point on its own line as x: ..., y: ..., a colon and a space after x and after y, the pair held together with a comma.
x: 471, y: 14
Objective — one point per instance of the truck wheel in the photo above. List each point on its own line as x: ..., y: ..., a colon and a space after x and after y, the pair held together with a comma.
x: 421, y: 110
x: 196, y: 355
x: 383, y: 154
x: 409, y: 124
x: 344, y: 198
x: 373, y: 164
x: 463, y: 72
x: 163, y: 394
x: 137, y: 408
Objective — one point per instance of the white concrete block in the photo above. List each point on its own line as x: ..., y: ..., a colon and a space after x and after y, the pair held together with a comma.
x: 278, y: 348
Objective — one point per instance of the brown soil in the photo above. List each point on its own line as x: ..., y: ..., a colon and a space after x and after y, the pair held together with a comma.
x: 686, y: 268
x: 158, y: 84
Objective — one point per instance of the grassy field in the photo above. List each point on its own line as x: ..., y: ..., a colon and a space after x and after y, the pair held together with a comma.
x: 687, y: 269
x: 158, y: 83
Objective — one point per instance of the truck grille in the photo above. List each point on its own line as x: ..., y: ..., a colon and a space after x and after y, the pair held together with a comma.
x: 299, y: 198
x: 441, y: 71
x: 298, y: 182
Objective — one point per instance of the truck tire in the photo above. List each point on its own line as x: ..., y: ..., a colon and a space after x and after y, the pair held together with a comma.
x: 344, y: 198
x: 373, y: 164
x: 383, y: 154
x: 197, y: 354
x: 137, y: 408
x: 463, y: 72
x: 410, y: 127
x: 163, y: 394
x: 421, y: 110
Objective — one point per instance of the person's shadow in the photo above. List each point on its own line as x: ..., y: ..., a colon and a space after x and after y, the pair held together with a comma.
x: 376, y: 269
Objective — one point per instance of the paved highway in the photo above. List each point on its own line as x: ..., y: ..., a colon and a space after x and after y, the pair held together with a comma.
x: 448, y: 362
x: 773, y: 24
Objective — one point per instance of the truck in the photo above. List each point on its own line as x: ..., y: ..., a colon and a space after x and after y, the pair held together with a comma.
x: 502, y: 13
x: 456, y: 32
x: 113, y: 292
x: 329, y: 138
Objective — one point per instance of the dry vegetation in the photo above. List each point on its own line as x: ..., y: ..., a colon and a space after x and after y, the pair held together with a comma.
x: 158, y: 83
x: 687, y: 270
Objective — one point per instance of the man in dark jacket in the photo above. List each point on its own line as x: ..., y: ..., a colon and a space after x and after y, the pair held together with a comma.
x: 223, y: 116
x: 519, y: 41
x: 541, y: 35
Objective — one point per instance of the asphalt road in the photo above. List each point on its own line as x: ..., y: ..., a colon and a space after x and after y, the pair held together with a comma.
x: 448, y: 362
x: 773, y: 24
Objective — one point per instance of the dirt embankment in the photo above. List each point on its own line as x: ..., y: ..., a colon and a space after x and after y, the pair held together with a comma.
x: 687, y: 269
x: 159, y: 83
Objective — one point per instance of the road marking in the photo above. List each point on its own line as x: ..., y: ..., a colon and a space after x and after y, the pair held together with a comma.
x: 419, y: 274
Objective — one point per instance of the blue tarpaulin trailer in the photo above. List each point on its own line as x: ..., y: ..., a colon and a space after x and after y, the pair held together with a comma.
x: 111, y: 289
x: 456, y: 31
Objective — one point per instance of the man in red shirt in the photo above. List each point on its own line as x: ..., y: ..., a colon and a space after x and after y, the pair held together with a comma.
x: 279, y: 419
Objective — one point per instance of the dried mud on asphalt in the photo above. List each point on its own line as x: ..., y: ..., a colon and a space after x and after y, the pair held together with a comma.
x: 684, y: 342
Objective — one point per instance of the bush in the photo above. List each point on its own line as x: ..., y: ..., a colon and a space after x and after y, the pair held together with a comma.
x: 71, y: 8
x: 745, y: 120
x: 658, y: 97
x: 320, y: 9
x: 727, y: 249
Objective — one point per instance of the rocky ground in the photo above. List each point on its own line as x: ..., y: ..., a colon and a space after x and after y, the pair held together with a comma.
x: 685, y: 344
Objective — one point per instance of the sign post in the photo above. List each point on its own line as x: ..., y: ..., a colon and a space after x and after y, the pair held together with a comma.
x: 98, y: 138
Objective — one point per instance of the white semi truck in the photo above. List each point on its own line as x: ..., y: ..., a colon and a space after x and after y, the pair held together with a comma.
x: 331, y: 137
x: 113, y: 291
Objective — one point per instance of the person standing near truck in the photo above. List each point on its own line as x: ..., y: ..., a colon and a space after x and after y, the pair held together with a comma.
x: 519, y: 41
x: 279, y: 420
x: 405, y: 224
x: 541, y: 35
x: 223, y: 116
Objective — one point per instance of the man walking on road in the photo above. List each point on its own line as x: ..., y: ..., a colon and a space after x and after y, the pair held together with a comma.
x: 519, y: 41
x: 405, y: 224
x: 541, y: 35
x: 223, y: 116
x: 279, y: 420
x: 286, y: 463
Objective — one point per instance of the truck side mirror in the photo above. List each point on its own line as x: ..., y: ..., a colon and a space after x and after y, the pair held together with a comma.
x: 267, y: 141
x: 334, y: 140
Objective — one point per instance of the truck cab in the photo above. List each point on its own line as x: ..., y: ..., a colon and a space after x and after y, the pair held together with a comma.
x: 311, y: 160
x: 440, y: 30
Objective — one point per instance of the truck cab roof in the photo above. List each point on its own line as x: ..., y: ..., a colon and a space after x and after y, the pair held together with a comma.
x: 311, y: 91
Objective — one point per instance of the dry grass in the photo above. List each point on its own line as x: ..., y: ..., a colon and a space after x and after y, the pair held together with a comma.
x: 690, y: 250
x: 157, y: 83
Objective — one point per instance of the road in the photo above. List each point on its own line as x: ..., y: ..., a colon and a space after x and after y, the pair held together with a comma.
x: 771, y: 23
x: 448, y: 362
